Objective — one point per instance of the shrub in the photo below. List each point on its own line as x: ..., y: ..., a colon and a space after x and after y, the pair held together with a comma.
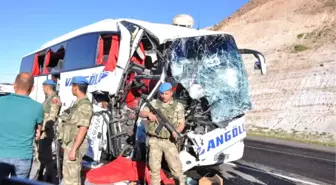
x: 299, y: 48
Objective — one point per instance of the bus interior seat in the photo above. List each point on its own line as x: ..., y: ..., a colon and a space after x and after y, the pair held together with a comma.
x: 151, y: 59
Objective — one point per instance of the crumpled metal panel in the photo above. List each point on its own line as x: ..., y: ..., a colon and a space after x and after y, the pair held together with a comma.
x: 212, y: 66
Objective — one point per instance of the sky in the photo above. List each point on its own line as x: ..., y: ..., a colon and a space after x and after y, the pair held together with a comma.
x: 26, y: 25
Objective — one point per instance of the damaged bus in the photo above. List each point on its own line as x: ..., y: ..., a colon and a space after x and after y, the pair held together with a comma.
x: 126, y: 60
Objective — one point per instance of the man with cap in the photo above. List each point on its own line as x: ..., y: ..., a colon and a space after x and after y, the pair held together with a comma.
x: 76, y: 121
x: 42, y: 148
x: 163, y: 143
x: 51, y: 107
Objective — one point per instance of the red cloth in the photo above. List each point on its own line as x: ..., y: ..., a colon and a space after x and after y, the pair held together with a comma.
x: 113, y: 54
x: 36, y: 67
x: 100, y: 54
x: 123, y: 169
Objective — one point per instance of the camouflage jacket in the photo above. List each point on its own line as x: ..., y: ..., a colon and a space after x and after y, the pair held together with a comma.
x: 51, y: 107
x: 173, y: 111
x: 78, y: 115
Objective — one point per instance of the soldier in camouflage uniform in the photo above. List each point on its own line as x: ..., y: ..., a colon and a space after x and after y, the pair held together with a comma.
x: 42, y: 148
x: 164, y: 143
x: 51, y: 107
x: 76, y: 121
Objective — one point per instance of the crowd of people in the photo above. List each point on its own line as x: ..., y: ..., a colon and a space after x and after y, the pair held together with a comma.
x: 28, y: 130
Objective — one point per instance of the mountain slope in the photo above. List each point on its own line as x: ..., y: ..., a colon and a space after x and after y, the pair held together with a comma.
x: 297, y: 98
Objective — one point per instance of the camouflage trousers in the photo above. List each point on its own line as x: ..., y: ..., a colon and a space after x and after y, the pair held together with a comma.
x: 35, y: 169
x: 157, y: 148
x: 72, y: 169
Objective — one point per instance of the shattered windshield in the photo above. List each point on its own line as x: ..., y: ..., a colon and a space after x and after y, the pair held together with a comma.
x: 212, y: 67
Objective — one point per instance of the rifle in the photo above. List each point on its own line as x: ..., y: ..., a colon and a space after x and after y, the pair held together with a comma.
x: 58, y: 157
x: 163, y: 122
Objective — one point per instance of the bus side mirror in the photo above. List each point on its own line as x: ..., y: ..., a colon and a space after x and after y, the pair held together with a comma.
x: 260, y: 64
x: 257, y: 65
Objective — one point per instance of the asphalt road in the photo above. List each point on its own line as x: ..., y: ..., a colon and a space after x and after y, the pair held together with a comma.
x: 313, y: 162
x: 242, y: 175
x: 278, y: 163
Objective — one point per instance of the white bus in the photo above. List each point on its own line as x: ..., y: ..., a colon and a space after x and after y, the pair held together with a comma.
x: 124, y: 59
x: 6, y: 88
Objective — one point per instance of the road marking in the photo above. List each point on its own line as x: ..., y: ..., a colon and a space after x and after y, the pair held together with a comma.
x: 271, y: 173
x: 305, y: 156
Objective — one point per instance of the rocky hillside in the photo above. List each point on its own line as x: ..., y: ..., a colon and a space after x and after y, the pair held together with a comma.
x: 297, y: 98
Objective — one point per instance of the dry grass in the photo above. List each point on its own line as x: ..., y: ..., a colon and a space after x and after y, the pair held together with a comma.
x: 300, y: 47
x: 330, y: 3
x: 323, y: 138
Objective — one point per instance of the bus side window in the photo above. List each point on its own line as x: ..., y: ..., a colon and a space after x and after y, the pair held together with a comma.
x: 38, y: 63
x: 55, y: 63
x: 104, y: 47
x: 27, y: 63
x: 81, y: 52
x: 108, y: 51
x: 41, y: 58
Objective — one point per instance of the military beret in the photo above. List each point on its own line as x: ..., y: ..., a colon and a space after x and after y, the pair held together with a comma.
x: 165, y: 87
x: 80, y: 80
x: 49, y: 82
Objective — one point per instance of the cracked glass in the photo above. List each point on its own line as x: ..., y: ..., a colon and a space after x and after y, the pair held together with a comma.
x: 211, y: 67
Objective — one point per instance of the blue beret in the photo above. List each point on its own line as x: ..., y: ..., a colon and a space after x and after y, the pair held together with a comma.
x: 49, y: 82
x: 165, y: 87
x: 80, y: 80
